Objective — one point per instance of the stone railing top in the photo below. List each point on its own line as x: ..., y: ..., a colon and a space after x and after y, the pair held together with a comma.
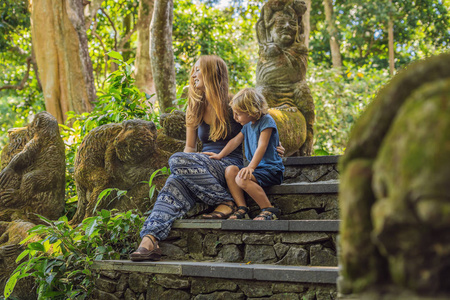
x: 259, y: 272
x: 311, y: 160
x: 251, y: 225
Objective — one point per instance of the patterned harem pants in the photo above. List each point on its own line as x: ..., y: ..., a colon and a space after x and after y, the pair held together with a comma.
x: 195, y: 177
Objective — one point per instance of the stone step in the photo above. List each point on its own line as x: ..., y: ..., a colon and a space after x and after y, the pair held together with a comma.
x: 297, y: 201
x: 321, y: 187
x: 282, y: 242
x: 211, y: 280
x: 310, y: 169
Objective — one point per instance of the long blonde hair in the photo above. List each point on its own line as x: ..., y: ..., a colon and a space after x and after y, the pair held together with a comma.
x: 215, y: 79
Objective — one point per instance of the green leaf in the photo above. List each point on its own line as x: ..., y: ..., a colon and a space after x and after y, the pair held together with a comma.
x: 91, y: 228
x: 11, y: 284
x: 115, y: 55
x: 36, y: 246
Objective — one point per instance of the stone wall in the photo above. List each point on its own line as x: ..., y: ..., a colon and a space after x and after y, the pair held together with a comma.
x: 136, y: 286
x: 285, y: 248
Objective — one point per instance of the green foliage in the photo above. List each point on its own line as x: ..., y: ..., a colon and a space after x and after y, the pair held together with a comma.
x: 60, y: 257
x: 339, y: 102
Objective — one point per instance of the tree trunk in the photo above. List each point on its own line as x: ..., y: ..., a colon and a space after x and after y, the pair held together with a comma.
x: 144, y: 75
x: 307, y: 22
x: 90, y: 11
x: 391, y: 42
x: 65, y: 68
x: 161, y: 53
x: 332, y: 31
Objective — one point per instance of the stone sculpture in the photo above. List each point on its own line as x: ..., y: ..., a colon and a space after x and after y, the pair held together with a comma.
x: 11, y: 234
x: 33, y: 176
x: 281, y: 71
x: 394, y: 194
x: 117, y: 156
x: 172, y: 137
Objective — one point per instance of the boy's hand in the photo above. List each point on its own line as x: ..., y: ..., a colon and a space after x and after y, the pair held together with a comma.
x: 246, y: 173
x: 212, y: 155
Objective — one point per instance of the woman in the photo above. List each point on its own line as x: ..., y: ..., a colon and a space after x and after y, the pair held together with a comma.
x: 196, y: 177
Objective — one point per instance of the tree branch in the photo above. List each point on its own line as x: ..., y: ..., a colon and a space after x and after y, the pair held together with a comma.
x: 22, y: 83
x: 112, y: 24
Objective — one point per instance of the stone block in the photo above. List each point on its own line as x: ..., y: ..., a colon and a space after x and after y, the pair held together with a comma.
x: 138, y: 282
x: 288, y: 288
x: 256, y: 289
x: 230, y: 253
x: 304, y: 238
x: 110, y: 274
x: 296, y: 256
x: 295, y: 203
x: 321, y: 256
x: 254, y: 225
x: 314, y: 225
x: 141, y: 297
x: 174, y: 294
x: 195, y: 242
x: 105, y: 284
x: 280, y: 249
x: 259, y: 254
x: 257, y: 238
x: 153, y: 291
x: 209, y: 285
x: 210, y: 245
x: 101, y: 295
x: 285, y: 296
x: 172, y: 251
x: 313, y: 173
x: 230, y: 238
x: 129, y: 295
x: 221, y: 296
x: 122, y: 284
x: 172, y: 282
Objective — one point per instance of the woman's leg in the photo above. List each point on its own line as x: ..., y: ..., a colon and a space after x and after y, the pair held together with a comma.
x: 194, y: 176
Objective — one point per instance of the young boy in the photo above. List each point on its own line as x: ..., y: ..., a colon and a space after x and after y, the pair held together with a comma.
x: 260, y: 136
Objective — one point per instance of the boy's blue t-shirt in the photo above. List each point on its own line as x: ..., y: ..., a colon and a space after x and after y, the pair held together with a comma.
x: 251, y: 132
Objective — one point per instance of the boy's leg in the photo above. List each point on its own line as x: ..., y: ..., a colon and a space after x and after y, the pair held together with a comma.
x: 254, y: 190
x: 237, y: 193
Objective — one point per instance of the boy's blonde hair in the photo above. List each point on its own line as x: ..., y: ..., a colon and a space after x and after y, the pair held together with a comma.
x: 251, y: 102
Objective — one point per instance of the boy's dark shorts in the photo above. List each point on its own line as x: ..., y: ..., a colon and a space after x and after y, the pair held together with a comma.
x: 268, y: 177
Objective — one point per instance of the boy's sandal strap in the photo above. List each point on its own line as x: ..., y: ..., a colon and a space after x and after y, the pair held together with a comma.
x: 269, y: 213
x: 240, y: 212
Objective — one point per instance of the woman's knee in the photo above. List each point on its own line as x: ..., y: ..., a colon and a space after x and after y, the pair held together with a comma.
x: 177, y: 159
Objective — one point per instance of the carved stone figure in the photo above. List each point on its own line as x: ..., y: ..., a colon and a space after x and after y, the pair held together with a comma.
x: 11, y: 234
x: 33, y: 176
x: 117, y: 156
x: 281, y: 70
x: 173, y: 134
x: 394, y: 194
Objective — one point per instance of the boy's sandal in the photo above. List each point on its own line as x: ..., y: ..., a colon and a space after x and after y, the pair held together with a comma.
x: 240, y: 213
x: 268, y: 213
x: 220, y: 215
x: 142, y: 253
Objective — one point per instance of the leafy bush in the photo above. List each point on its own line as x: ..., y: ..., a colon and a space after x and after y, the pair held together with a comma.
x: 340, y: 97
x: 60, y: 261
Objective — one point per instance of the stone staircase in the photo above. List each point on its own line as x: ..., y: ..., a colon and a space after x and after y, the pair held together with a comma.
x: 291, y: 258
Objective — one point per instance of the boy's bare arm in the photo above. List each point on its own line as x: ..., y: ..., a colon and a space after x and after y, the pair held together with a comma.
x: 230, y: 146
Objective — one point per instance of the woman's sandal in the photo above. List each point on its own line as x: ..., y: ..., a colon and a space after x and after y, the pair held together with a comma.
x: 268, y: 213
x: 240, y: 213
x: 144, y: 254
x: 220, y: 215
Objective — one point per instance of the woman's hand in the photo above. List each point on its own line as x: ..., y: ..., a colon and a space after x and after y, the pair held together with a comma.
x: 246, y: 173
x: 212, y: 155
x: 280, y: 150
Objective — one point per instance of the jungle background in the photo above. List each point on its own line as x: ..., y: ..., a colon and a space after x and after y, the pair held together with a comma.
x: 355, y: 47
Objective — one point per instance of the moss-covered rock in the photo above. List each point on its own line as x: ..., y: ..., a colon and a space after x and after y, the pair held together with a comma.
x: 394, y: 195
